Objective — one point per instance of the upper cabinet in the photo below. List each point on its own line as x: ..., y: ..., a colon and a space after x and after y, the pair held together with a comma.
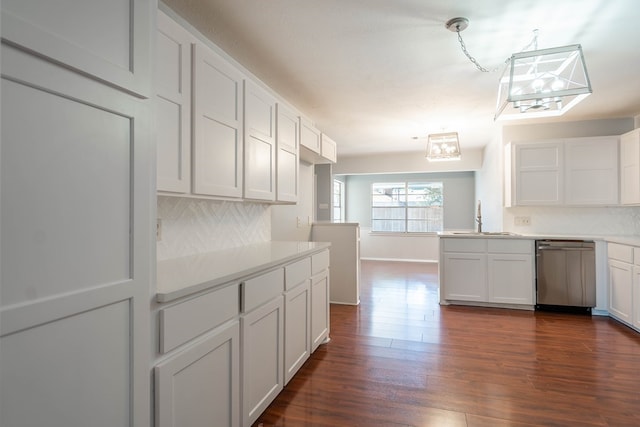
x: 310, y: 138
x: 287, y: 143
x: 315, y: 147
x: 328, y: 148
x: 105, y: 40
x: 536, y: 173
x: 173, y: 106
x: 630, y: 168
x: 217, y: 109
x: 221, y: 134
x: 259, y: 143
x: 577, y: 171
x: 591, y: 171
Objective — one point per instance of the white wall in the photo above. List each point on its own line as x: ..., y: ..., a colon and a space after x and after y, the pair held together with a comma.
x: 459, y: 208
x: 405, y: 162
x: 284, y: 217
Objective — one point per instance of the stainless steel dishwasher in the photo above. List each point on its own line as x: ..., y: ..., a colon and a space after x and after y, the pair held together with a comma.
x: 565, y: 275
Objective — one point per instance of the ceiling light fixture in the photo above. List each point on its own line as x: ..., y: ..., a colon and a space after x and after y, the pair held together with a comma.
x: 443, y: 146
x: 536, y: 83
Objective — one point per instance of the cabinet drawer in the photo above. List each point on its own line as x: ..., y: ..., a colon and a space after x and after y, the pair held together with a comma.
x: 510, y: 246
x: 636, y: 256
x: 261, y: 289
x: 622, y: 253
x: 465, y: 245
x: 319, y: 262
x: 296, y: 273
x: 186, y: 320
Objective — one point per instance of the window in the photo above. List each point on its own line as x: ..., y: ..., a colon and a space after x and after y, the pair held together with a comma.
x: 338, y: 201
x: 407, y: 207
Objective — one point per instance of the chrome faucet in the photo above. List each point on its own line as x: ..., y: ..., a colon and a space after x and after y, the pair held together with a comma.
x: 479, y: 218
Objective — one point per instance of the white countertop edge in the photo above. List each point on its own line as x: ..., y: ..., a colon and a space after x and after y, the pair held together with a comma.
x: 180, y: 277
x: 625, y: 240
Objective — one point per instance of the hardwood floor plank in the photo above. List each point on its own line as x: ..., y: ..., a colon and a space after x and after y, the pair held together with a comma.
x: 400, y: 359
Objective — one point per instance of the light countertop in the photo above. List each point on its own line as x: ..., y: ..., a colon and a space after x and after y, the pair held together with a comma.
x: 625, y: 240
x: 183, y: 276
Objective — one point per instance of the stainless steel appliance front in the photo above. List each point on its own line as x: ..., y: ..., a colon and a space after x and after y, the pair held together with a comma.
x: 566, y: 274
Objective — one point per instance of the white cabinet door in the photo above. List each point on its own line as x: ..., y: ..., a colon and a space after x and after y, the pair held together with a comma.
x: 630, y: 168
x: 259, y: 143
x: 262, y: 358
x: 107, y: 40
x: 297, y: 329
x: 538, y: 173
x: 620, y: 290
x: 328, y: 149
x: 635, y: 293
x: 319, y: 309
x: 287, y: 165
x: 217, y: 110
x: 76, y: 241
x: 200, y: 386
x: 591, y: 171
x: 511, y: 278
x: 465, y: 276
x: 310, y: 137
x: 173, y: 106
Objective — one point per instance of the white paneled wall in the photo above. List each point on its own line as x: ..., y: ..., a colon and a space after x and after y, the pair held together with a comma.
x: 191, y: 226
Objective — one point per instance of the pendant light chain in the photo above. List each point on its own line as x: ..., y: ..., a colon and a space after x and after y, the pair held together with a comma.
x: 474, y: 61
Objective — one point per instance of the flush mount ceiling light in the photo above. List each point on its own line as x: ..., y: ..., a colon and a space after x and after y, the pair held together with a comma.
x: 443, y: 146
x: 536, y: 83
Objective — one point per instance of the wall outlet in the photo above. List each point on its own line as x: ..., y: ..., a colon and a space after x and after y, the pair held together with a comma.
x: 298, y: 222
x: 522, y: 220
x: 158, y: 229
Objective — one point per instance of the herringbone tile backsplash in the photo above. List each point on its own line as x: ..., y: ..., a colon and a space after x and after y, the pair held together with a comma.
x: 191, y: 226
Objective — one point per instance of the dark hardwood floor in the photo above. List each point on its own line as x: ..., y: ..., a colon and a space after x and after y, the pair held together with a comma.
x: 400, y: 359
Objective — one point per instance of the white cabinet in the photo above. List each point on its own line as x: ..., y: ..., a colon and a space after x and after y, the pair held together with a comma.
x: 319, y: 299
x: 463, y: 273
x: 510, y: 272
x: 315, y: 147
x: 310, y: 137
x: 297, y: 322
x: 536, y: 173
x: 630, y: 168
x: 173, y: 106
x: 76, y: 172
x: 591, y: 171
x: 287, y: 165
x: 492, y: 270
x: 259, y: 143
x: 621, y: 277
x: 573, y: 172
x: 200, y: 385
x: 262, y: 331
x: 635, y: 293
x: 328, y: 148
x: 217, y: 125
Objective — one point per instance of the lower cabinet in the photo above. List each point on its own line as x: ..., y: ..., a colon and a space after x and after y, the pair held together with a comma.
x: 466, y: 276
x: 200, y: 385
x: 262, y: 358
x: 635, y: 292
x: 223, y: 355
x: 491, y: 270
x: 319, y: 299
x: 297, y: 329
x: 621, y: 278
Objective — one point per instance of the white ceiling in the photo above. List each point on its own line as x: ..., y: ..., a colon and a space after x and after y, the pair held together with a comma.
x: 372, y: 74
